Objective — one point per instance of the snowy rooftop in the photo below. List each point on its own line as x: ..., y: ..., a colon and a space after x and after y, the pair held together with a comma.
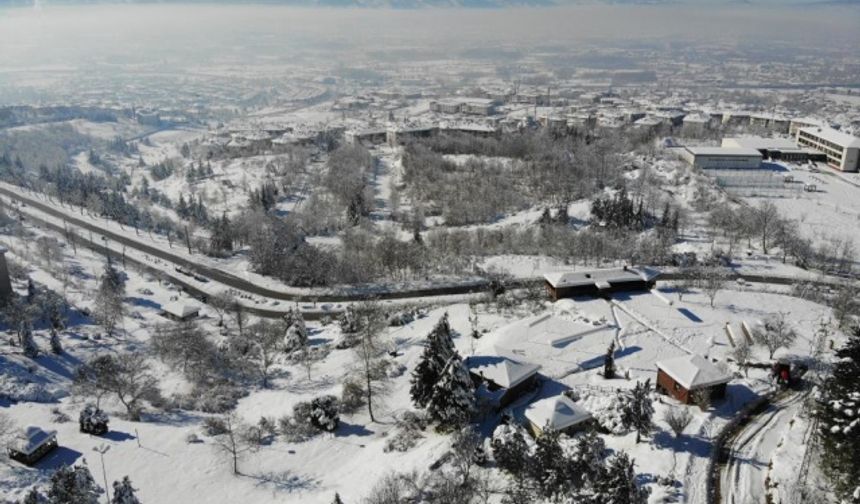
x: 599, y: 276
x: 180, y: 310
x: 693, y: 371
x: 31, y: 439
x: 559, y: 412
x: 502, y: 371
x: 831, y: 135
x: 757, y: 142
x: 723, y: 151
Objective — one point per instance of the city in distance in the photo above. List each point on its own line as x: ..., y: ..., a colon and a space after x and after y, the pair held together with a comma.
x: 427, y: 251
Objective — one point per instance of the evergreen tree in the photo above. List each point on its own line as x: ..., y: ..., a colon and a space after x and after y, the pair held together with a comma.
x: 56, y: 344
x: 639, y: 409
x: 838, y: 416
x: 28, y: 344
x: 337, y: 499
x: 452, y: 401
x: 34, y: 496
x: 609, y: 362
x: 123, y: 493
x: 511, y: 450
x: 549, y: 465
x: 31, y: 291
x: 438, y: 350
x: 109, y: 298
x: 73, y: 486
x: 618, y: 485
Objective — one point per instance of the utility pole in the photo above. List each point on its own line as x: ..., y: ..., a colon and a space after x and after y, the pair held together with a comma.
x: 101, y: 450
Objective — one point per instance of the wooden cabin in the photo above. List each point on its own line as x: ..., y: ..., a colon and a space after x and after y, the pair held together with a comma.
x: 179, y: 311
x: 682, y: 376
x: 509, y: 378
x: 559, y: 413
x: 31, y: 445
x: 567, y: 284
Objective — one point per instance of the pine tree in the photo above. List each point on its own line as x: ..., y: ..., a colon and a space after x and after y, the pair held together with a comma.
x: 609, y: 362
x: 639, y: 409
x: 34, y: 496
x: 838, y: 416
x: 511, y: 450
x: 452, y: 401
x: 56, y: 344
x: 73, y: 486
x: 337, y: 499
x: 28, y: 344
x: 548, y: 467
x: 31, y: 291
x: 618, y: 485
x: 437, y: 352
x: 123, y: 493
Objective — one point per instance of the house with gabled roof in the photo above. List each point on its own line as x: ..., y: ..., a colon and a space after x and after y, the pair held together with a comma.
x: 683, y: 376
x: 565, y: 284
x: 508, y: 377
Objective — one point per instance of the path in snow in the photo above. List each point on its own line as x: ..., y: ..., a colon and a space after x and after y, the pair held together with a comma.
x: 742, y: 480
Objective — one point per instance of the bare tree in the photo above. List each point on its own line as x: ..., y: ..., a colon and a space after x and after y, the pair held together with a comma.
x: 464, y: 446
x: 369, y: 353
x: 741, y: 353
x: 713, y: 280
x: 777, y: 333
x: 184, y: 345
x: 133, y: 383
x: 677, y: 419
x: 109, y: 298
x: 7, y: 430
x: 264, y: 339
x: 230, y: 441
x: 222, y: 303
x: 764, y: 221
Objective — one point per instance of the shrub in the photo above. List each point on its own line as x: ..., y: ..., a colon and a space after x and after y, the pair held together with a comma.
x: 324, y: 413
x: 214, y: 426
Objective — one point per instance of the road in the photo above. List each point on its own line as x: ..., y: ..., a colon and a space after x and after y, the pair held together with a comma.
x: 742, y: 479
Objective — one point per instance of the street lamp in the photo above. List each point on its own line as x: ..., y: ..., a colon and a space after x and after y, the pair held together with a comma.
x: 101, y: 450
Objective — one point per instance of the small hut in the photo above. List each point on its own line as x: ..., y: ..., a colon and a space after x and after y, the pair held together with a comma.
x: 31, y: 445
x: 179, y: 311
x: 560, y: 413
x: 510, y: 379
x: 682, y: 376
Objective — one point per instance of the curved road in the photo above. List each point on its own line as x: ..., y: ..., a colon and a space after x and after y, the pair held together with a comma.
x: 742, y: 478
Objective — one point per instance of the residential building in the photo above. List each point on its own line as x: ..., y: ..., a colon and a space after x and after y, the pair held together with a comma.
x: 683, y: 377
x: 558, y: 413
x: 842, y: 149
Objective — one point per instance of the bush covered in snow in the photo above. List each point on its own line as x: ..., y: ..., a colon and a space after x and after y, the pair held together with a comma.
x: 324, y: 413
x: 608, y: 411
x: 18, y: 389
x: 93, y: 420
x: 211, y: 398
x: 352, y: 396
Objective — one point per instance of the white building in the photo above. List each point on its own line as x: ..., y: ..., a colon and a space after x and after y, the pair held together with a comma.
x: 709, y: 158
x: 842, y: 149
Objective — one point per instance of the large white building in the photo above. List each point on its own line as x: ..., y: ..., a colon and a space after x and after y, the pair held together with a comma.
x: 842, y: 149
x: 711, y: 158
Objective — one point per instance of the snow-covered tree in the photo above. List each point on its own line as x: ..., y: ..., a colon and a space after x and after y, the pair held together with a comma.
x: 639, y: 409
x: 34, y: 496
x: 452, y: 401
x: 777, y: 333
x: 548, y: 465
x: 438, y: 350
x: 618, y: 484
x: 28, y: 344
x: 324, y: 413
x: 92, y: 420
x: 511, y: 450
x: 109, y: 298
x: 609, y: 362
x: 296, y: 337
x: 73, y: 486
x: 838, y: 414
x: 123, y: 492
x: 677, y: 419
x: 56, y: 344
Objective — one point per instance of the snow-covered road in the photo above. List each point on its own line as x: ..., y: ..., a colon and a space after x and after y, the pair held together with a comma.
x: 742, y: 480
